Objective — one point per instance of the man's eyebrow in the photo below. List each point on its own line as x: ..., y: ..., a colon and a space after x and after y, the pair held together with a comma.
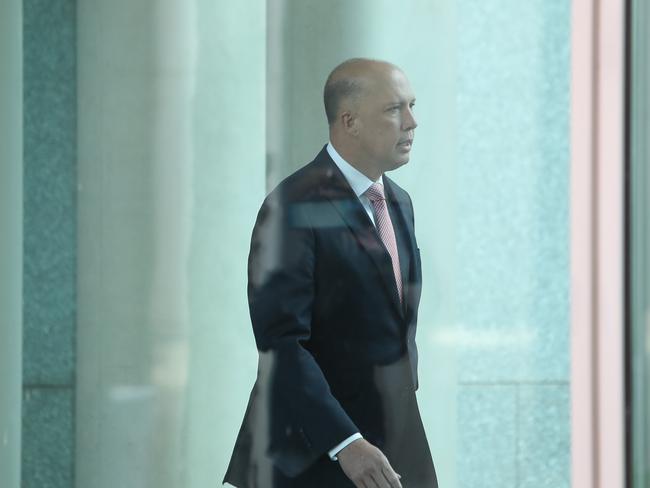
x: 400, y: 102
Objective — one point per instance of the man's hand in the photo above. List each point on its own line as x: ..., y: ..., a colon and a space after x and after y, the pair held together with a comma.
x: 367, y: 466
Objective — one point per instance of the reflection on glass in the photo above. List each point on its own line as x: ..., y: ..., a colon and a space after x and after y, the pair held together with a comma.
x: 334, y: 288
x: 190, y: 112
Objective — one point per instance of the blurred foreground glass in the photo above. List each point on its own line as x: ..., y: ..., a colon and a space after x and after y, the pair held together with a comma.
x: 190, y: 111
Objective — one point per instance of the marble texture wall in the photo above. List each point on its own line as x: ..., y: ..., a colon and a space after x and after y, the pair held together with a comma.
x: 512, y: 249
x: 50, y: 242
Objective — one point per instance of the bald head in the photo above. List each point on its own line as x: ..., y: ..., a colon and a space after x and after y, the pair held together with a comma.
x: 369, y: 107
x: 347, y: 83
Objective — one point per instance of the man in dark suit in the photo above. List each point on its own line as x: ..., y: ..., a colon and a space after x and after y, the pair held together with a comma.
x: 334, y: 287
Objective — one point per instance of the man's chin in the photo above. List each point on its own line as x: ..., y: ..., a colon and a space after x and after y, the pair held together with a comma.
x: 400, y: 162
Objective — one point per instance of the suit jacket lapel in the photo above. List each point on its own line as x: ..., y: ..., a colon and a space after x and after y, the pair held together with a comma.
x: 340, y: 194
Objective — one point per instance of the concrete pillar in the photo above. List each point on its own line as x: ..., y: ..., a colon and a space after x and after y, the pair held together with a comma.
x: 171, y: 173
x: 11, y: 184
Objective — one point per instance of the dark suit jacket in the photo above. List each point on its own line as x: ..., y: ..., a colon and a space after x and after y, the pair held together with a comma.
x: 337, y: 349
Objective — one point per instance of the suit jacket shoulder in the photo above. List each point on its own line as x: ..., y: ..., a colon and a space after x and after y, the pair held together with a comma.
x: 307, y: 182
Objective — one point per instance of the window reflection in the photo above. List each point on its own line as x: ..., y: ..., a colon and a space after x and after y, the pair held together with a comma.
x: 179, y: 117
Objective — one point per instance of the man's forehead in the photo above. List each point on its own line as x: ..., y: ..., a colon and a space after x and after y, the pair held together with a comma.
x: 397, y: 89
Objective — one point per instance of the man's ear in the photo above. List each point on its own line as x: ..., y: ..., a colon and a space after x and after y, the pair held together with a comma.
x: 350, y: 123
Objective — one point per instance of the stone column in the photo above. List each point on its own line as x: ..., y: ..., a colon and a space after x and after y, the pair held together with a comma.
x: 171, y: 173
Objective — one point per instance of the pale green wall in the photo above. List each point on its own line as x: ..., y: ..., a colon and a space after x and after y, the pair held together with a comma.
x: 512, y: 288
x: 11, y: 150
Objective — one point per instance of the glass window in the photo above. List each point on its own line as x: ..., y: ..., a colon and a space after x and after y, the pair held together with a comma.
x: 167, y: 125
x: 639, y: 242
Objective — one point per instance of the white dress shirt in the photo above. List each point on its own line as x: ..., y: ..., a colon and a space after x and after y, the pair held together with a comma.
x: 359, y: 183
x: 356, y: 179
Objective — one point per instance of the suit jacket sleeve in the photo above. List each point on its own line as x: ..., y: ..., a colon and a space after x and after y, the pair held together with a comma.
x: 305, y: 419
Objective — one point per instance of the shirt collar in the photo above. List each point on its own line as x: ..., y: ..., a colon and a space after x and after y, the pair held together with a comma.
x: 356, y: 179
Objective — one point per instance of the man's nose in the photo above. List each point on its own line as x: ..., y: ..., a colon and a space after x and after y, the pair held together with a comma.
x: 409, y: 121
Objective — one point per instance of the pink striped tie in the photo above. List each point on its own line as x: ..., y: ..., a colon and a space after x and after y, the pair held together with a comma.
x: 385, y: 228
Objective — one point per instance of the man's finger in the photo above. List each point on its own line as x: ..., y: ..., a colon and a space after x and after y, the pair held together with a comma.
x: 392, y: 477
x: 368, y: 482
x: 361, y: 484
x: 380, y: 480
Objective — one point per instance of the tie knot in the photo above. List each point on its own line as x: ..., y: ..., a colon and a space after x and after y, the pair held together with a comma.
x: 375, y: 192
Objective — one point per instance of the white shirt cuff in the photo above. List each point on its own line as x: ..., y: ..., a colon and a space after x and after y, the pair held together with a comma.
x: 343, y: 444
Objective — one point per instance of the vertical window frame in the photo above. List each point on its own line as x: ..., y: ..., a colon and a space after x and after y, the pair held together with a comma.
x: 597, y: 244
